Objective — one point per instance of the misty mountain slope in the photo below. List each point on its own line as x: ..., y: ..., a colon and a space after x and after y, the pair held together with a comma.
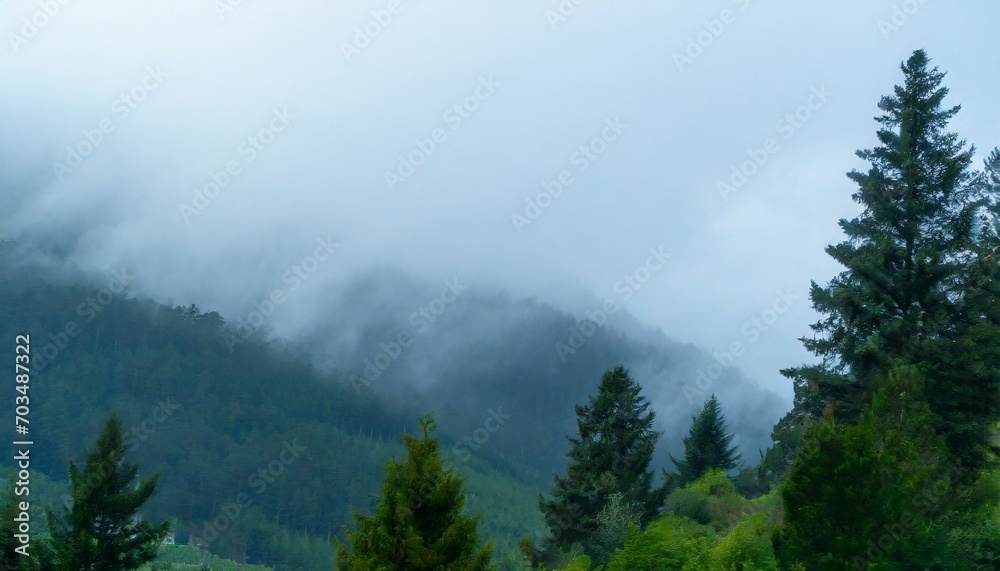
x: 257, y: 420
x: 484, y: 352
x: 487, y: 365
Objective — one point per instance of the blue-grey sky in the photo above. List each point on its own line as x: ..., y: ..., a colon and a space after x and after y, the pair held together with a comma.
x: 318, y: 111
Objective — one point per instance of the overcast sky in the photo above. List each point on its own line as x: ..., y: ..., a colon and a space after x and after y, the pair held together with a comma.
x: 319, y: 109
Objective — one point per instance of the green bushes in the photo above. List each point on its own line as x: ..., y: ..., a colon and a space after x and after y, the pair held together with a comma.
x: 613, y: 524
x: 670, y: 542
x: 708, y: 526
x: 690, y: 503
x: 747, y: 547
x: 709, y: 500
x: 674, y: 542
x: 581, y: 563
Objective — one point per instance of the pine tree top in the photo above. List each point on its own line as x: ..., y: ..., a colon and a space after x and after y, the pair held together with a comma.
x: 708, y: 445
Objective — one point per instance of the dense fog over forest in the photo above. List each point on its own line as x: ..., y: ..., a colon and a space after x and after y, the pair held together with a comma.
x: 320, y: 221
x: 211, y: 81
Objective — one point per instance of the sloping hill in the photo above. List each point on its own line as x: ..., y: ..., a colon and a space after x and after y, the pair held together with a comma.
x: 264, y: 455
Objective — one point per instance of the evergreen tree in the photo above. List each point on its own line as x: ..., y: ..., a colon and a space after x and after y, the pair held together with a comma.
x: 707, y: 446
x: 15, y: 555
x: 610, y: 458
x: 872, y: 492
x: 10, y: 558
x: 776, y: 461
x: 101, y: 530
x: 906, y: 295
x: 418, y: 522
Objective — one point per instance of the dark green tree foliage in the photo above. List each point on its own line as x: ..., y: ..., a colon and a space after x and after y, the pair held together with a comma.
x: 707, y: 446
x: 418, y: 521
x: 102, y: 530
x: 828, y: 499
x: 233, y: 411
x: 871, y: 492
x: 906, y: 295
x: 961, y: 367
x: 777, y: 459
x: 964, y: 381
x: 610, y: 457
x: 10, y: 559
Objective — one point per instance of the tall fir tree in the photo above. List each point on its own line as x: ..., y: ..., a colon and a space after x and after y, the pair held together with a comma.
x: 708, y: 446
x: 418, y: 522
x: 609, y: 458
x: 101, y: 529
x: 918, y: 287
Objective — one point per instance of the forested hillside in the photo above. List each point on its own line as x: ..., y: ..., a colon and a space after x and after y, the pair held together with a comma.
x: 211, y: 420
x: 170, y: 374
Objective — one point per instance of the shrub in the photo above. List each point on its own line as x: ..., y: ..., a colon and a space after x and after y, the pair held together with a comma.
x: 711, y: 499
x: 747, y: 547
x: 669, y: 542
